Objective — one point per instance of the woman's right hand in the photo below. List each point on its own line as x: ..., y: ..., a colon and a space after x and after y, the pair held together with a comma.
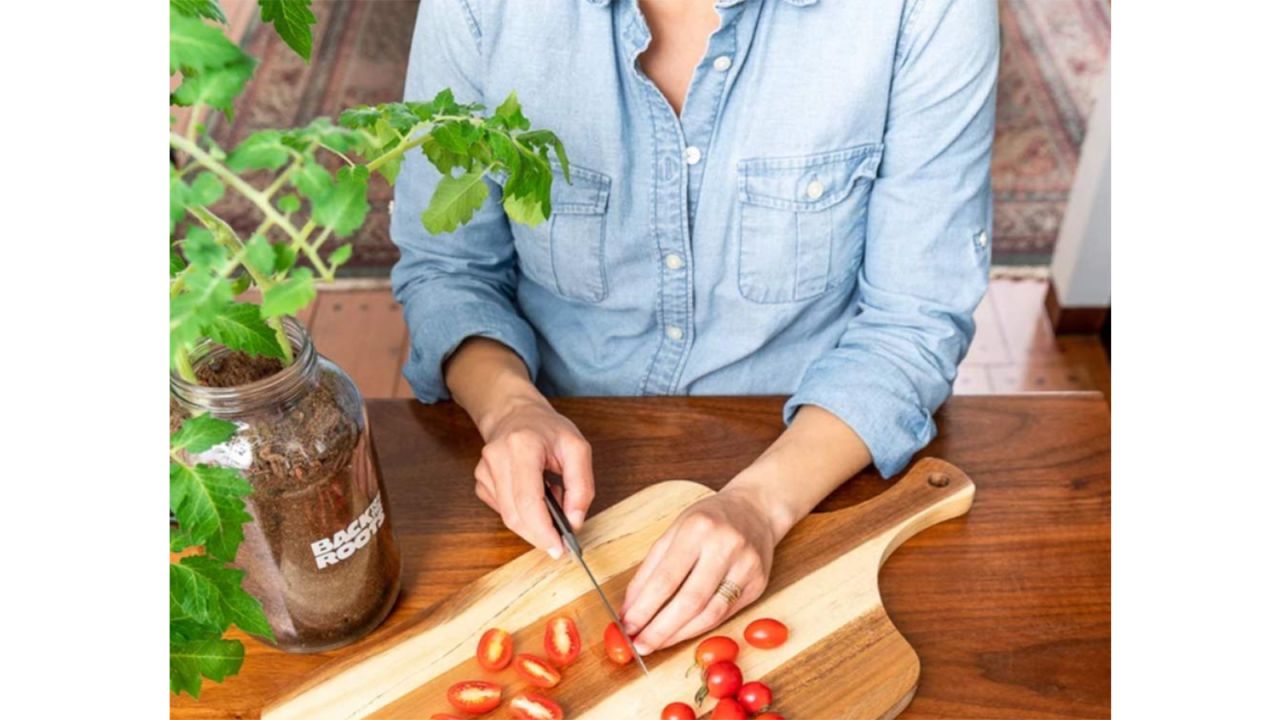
x: 522, y: 439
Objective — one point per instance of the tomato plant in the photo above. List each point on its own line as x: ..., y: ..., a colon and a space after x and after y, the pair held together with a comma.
x: 755, y: 696
x: 475, y: 697
x: 494, y: 650
x: 616, y: 646
x: 537, y: 671
x: 528, y: 705
x: 728, y: 709
x: 765, y: 633
x: 562, y: 641
x: 678, y: 711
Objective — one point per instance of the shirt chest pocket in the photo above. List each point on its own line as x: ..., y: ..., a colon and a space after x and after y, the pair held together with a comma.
x: 802, y: 222
x: 565, y: 254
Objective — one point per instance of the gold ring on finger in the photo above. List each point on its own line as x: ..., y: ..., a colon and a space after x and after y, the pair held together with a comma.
x: 730, y: 591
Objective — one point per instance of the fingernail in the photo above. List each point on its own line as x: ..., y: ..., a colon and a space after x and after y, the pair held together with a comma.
x: 629, y: 628
x: 555, y: 552
x: 576, y: 517
x: 643, y: 649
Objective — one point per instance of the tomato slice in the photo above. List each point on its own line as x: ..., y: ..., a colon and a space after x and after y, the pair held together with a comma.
x: 755, y: 696
x: 728, y: 709
x: 765, y: 633
x: 615, y: 645
x: 528, y: 705
x: 561, y: 641
x: 475, y: 696
x: 494, y: 649
x: 537, y: 671
x: 714, y: 649
x: 678, y: 711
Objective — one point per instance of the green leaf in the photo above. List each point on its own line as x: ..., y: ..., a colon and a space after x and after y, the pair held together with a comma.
x: 543, y: 138
x: 526, y: 210
x: 360, y: 116
x: 215, y: 87
x: 262, y: 150
x: 390, y: 169
x: 240, y: 327
x: 207, y: 189
x: 260, y: 256
x: 199, y: 8
x: 340, y: 255
x: 285, y: 257
x: 289, y: 203
x: 240, y: 283
x: 201, y: 584
x: 293, y: 20
x: 200, y: 433
x: 289, y: 296
x: 510, y: 114
x: 179, y: 195
x: 207, y: 502
x: 312, y: 180
x: 176, y: 264
x: 202, y: 250
x: 455, y: 201
x: 213, y: 658
x: 205, y: 295
x: 195, y: 46
x: 344, y: 208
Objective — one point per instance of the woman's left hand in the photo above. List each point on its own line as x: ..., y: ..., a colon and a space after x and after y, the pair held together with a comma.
x: 727, y: 537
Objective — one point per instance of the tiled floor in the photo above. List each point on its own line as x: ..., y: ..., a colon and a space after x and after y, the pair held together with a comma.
x: 1014, y: 351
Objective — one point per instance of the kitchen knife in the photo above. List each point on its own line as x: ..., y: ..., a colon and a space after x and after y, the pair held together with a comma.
x: 571, y: 542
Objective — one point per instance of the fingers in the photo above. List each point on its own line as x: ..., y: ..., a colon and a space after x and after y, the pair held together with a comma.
x: 747, y: 575
x: 643, y: 573
x: 484, y: 486
x: 693, y: 596
x: 579, y: 481
x: 656, y: 587
x: 516, y: 466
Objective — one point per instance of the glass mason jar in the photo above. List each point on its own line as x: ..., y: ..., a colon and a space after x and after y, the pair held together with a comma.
x: 320, y: 553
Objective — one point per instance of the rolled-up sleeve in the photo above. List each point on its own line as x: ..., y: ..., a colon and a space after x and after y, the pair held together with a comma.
x: 461, y: 284
x: 928, y: 238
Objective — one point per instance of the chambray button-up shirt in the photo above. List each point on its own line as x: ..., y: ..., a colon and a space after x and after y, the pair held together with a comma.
x: 813, y: 224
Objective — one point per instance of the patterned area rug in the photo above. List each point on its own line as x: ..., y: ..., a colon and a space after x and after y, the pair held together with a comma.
x: 1052, y: 52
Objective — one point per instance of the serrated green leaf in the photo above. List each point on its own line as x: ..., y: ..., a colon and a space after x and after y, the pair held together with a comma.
x: 212, y: 658
x: 262, y: 150
x: 390, y: 169
x: 202, y: 250
x: 340, y: 255
x: 199, y: 8
x: 526, y: 210
x: 240, y: 283
x: 510, y: 114
x: 344, y: 208
x: 200, y: 433
x: 205, y: 295
x: 544, y: 138
x: 360, y: 116
x: 259, y: 255
x: 289, y: 296
x: 455, y: 201
x: 312, y: 180
x: 207, y: 189
x: 195, y: 46
x: 215, y: 87
x: 240, y: 327
x: 207, y: 502
x: 224, y: 597
x: 176, y: 263
x: 289, y: 203
x: 285, y: 257
x: 179, y: 196
x: 293, y: 20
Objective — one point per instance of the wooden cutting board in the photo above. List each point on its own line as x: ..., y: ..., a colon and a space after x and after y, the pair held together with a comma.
x: 844, y: 658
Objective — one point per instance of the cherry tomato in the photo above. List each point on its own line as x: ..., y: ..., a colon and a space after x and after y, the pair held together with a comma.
x: 770, y: 716
x: 755, y: 696
x: 678, y: 711
x: 728, y: 709
x: 714, y: 649
x: 615, y: 645
x: 765, y: 633
x: 494, y: 650
x: 537, y: 671
x: 528, y: 705
x: 723, y: 679
x: 561, y: 641
x: 475, y: 697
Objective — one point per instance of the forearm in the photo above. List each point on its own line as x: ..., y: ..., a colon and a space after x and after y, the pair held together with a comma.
x: 488, y: 379
x: 815, y: 454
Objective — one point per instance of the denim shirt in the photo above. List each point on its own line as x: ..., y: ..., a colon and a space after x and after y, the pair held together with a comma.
x: 814, y: 223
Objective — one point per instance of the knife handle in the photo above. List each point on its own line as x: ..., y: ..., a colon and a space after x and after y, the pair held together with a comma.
x: 561, y: 521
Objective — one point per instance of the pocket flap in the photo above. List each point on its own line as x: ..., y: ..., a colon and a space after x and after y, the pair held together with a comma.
x: 809, y: 183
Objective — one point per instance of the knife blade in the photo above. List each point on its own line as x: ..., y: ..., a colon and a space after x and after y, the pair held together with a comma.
x: 571, y: 542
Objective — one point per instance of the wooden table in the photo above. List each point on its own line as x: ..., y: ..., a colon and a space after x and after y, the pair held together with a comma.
x: 1009, y: 607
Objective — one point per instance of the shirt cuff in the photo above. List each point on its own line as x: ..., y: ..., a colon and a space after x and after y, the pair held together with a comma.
x: 875, y: 399
x: 437, y: 334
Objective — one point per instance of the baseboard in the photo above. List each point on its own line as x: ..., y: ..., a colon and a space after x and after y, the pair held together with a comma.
x: 1073, y: 320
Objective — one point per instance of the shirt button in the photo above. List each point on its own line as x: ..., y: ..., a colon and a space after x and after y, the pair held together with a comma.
x: 692, y: 155
x: 722, y: 63
x: 675, y: 333
x: 674, y: 261
x: 815, y: 190
x: 982, y: 239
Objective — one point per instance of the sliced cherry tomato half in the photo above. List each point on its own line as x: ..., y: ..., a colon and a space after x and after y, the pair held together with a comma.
x: 561, y: 641
x: 722, y: 679
x: 714, y: 649
x: 494, y: 650
x: 770, y: 716
x: 728, y: 709
x: 537, y: 671
x: 475, y: 697
x: 678, y: 711
x: 615, y: 645
x: 528, y: 705
x: 755, y: 696
x: 765, y: 633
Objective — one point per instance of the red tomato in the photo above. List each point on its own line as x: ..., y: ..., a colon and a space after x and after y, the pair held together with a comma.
x: 723, y: 679
x: 475, y: 697
x: 445, y: 716
x: 755, y: 696
x: 562, y: 642
x: 678, y: 711
x: 765, y: 633
x: 714, y: 649
x: 615, y: 645
x: 494, y: 650
x: 537, y: 671
x: 728, y: 709
x: 770, y: 716
x: 529, y: 705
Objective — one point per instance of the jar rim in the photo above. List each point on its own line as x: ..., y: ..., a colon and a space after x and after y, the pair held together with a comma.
x: 278, y: 386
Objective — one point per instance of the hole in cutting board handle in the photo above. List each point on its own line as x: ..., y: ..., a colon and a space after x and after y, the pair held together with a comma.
x: 939, y: 480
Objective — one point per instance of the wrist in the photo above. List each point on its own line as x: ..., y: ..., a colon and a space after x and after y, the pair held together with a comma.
x: 766, y: 493
x: 506, y: 399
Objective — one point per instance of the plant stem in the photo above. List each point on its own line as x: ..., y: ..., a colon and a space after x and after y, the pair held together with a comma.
x: 185, y: 371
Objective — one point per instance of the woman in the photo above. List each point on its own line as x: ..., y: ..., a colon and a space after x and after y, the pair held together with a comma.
x: 768, y: 196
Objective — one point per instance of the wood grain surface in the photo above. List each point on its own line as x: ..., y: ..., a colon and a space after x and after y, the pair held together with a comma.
x: 1007, y: 607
